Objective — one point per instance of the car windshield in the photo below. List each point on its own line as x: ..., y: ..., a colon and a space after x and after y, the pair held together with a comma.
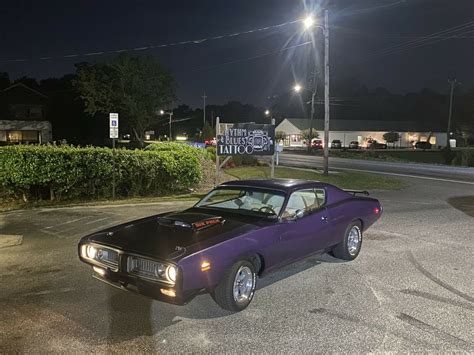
x: 263, y: 202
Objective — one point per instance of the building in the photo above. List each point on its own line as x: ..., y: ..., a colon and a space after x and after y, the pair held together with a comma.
x: 360, y: 131
x: 23, y: 116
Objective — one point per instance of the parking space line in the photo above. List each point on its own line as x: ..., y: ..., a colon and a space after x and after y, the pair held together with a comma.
x: 67, y: 222
x: 97, y: 220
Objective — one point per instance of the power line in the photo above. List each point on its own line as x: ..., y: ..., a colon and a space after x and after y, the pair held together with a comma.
x: 449, y: 33
x: 155, y: 46
x: 246, y: 59
x: 456, y: 30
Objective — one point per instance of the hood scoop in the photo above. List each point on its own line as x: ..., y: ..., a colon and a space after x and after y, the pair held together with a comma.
x: 208, y: 222
x: 196, y: 225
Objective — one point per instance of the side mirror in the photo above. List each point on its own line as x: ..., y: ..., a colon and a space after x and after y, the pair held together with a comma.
x: 299, y: 214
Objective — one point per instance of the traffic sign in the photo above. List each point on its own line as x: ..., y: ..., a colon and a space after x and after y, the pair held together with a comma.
x: 114, y: 125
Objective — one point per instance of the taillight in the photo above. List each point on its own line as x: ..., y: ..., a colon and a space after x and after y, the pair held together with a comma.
x: 376, y: 210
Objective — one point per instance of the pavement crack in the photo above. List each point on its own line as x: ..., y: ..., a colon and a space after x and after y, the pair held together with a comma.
x: 433, y: 278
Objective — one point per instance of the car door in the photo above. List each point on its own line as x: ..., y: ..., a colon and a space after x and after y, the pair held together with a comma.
x: 305, y: 227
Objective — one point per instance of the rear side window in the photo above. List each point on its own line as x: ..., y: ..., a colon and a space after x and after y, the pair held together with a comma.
x: 307, y: 200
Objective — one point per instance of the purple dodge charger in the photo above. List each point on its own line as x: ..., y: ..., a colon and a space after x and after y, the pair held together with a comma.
x: 239, y: 231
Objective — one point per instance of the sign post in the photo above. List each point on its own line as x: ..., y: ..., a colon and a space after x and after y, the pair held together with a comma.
x: 114, y: 134
x: 217, y: 155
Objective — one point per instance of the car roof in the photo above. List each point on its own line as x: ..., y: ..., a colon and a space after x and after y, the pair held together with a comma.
x: 285, y: 185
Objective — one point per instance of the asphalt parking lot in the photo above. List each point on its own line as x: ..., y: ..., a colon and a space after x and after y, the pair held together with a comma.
x: 410, y: 289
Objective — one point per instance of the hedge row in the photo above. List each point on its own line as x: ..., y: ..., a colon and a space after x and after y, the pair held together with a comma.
x: 464, y: 157
x: 66, y: 172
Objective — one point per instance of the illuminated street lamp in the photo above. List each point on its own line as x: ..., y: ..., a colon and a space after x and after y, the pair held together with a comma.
x: 309, y: 23
x: 267, y: 112
x: 297, y: 88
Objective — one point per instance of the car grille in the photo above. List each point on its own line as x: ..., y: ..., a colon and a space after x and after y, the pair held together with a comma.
x: 145, y: 268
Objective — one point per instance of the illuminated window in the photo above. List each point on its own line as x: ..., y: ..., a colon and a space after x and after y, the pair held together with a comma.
x: 14, y: 136
x: 23, y: 136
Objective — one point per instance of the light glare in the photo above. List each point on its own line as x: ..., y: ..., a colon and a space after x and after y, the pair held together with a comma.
x: 297, y: 88
x: 308, y: 22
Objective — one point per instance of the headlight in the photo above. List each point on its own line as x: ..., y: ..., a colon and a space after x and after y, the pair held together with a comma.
x: 91, y: 251
x: 99, y: 255
x: 171, y: 273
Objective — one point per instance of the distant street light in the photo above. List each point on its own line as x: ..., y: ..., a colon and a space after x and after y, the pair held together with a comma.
x: 267, y: 112
x: 297, y: 88
x: 162, y: 112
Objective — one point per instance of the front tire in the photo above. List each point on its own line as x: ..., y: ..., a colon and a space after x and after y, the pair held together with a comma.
x: 237, y: 287
x: 350, y: 246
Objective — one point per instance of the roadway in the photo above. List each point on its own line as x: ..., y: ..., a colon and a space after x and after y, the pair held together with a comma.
x: 427, y: 171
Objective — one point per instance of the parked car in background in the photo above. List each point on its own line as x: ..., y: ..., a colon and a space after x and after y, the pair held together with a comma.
x: 238, y: 232
x: 373, y: 144
x: 354, y: 145
x: 336, y: 143
x: 210, y: 142
x: 423, y: 145
x: 317, y: 144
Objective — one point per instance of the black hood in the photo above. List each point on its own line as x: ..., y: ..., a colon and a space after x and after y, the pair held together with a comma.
x: 173, y: 235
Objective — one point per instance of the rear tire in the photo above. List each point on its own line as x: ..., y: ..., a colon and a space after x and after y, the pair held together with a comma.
x: 350, y: 246
x: 237, y: 287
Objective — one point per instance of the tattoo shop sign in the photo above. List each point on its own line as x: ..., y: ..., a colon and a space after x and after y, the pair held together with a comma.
x: 247, y: 139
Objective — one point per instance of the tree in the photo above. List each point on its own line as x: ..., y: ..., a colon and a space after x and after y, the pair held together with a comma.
x: 280, y: 136
x: 137, y: 88
x: 208, y: 132
x: 391, y: 137
x: 306, y: 136
x: 4, y: 80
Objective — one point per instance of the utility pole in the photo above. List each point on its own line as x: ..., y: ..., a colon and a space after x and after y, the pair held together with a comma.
x: 452, y: 82
x: 313, y: 94
x: 204, y: 110
x: 326, y: 92
x: 171, y: 115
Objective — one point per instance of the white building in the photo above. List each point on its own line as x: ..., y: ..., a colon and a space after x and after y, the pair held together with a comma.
x: 359, y: 130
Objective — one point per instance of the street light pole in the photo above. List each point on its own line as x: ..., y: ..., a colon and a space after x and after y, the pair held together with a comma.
x: 448, y: 135
x: 313, y: 94
x: 204, y: 110
x: 171, y: 115
x: 326, y: 92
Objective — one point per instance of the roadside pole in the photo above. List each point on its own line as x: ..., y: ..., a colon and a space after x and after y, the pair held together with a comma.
x: 452, y: 82
x: 113, y: 134
x: 326, y: 92
x: 217, y: 156
x: 272, y: 174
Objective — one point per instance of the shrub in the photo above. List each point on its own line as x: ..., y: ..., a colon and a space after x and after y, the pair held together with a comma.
x: 244, y: 160
x: 464, y: 157
x: 66, y: 172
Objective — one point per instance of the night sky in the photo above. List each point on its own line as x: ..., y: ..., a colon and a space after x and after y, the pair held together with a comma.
x: 248, y: 67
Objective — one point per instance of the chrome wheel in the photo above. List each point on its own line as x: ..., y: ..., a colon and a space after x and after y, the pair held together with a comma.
x: 353, y: 240
x: 243, y: 284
